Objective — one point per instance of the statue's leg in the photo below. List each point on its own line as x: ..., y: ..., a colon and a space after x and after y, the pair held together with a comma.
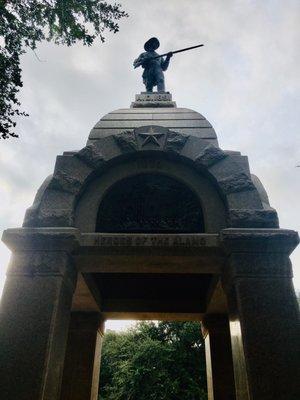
x: 149, y: 88
x: 161, y: 85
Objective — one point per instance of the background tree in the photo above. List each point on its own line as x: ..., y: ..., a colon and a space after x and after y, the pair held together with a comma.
x: 163, y: 361
x: 25, y: 23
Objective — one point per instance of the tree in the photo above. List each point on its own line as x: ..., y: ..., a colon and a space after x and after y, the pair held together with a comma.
x: 154, y: 361
x: 25, y: 23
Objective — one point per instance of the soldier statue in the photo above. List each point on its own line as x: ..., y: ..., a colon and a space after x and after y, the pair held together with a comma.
x: 153, y: 65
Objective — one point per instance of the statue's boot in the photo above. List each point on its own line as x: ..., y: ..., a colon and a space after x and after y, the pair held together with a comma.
x: 161, y: 85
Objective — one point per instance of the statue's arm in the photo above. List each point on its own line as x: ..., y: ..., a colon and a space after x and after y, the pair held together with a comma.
x: 165, y: 62
x: 140, y: 60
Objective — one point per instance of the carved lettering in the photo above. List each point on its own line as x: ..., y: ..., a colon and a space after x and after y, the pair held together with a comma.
x: 149, y: 241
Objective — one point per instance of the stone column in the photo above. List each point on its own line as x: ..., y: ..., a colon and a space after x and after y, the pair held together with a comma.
x: 219, y: 367
x: 35, y: 312
x: 264, y: 314
x: 82, y: 362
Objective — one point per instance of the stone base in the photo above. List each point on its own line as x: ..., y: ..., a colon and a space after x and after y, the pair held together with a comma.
x: 153, y: 99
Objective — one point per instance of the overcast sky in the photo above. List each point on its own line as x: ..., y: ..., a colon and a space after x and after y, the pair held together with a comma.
x: 245, y: 81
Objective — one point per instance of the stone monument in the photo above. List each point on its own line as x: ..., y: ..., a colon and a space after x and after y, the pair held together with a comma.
x: 150, y: 220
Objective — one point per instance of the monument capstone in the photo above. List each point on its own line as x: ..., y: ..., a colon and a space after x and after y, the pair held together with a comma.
x: 150, y: 220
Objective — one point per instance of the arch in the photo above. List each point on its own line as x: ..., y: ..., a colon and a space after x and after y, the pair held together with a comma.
x: 214, y: 212
x: 150, y: 203
x: 227, y: 171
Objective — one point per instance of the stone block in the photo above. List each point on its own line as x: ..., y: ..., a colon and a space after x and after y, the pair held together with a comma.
x: 244, y: 218
x: 56, y: 209
x: 189, y: 115
x: 54, y: 217
x: 126, y: 141
x: 226, y: 167
x: 153, y: 96
x: 261, y: 297
x: 175, y: 142
x: 69, y: 175
x: 196, y: 145
x: 91, y: 156
x: 247, y: 199
x: 241, y: 161
x: 24, y: 239
x: 147, y: 99
x: 259, y: 240
x: 261, y: 190
x: 107, y: 146
x: 64, y: 182
x: 237, y: 182
x: 167, y: 123
x: 35, y: 312
x: 162, y: 110
x: 47, y: 215
x: 210, y: 156
x: 31, y: 215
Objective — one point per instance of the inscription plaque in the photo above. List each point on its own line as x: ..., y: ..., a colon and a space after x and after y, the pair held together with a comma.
x: 149, y: 240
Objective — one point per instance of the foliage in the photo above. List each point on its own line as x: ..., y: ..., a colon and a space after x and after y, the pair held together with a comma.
x: 154, y: 361
x: 25, y: 23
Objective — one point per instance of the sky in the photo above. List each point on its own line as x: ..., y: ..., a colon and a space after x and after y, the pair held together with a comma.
x: 245, y: 81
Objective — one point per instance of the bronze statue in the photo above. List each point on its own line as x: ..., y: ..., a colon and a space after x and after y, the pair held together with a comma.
x: 154, y: 64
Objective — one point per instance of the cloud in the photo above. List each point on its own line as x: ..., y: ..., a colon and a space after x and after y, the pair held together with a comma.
x: 245, y: 80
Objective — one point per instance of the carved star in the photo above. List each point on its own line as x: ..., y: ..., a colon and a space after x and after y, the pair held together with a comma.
x: 151, y: 137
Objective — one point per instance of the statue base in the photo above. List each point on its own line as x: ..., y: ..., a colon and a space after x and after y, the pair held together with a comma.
x: 153, y: 99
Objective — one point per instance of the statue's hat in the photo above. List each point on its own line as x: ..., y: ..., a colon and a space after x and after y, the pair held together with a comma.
x: 152, y: 44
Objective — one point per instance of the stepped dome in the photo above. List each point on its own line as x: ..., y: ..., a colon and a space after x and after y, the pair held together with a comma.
x: 163, y: 112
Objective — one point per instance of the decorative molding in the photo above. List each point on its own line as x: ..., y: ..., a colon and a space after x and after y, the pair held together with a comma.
x: 210, y: 156
x: 91, y: 156
x: 175, y: 141
x: 245, y: 218
x: 238, y: 182
x: 126, y: 141
x: 55, y: 204
x: 65, y: 182
x: 151, y: 137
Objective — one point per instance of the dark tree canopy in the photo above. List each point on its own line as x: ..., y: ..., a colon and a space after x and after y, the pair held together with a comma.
x: 163, y: 361
x: 25, y: 23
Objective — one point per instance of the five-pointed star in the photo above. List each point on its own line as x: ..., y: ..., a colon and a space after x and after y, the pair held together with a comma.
x: 150, y: 137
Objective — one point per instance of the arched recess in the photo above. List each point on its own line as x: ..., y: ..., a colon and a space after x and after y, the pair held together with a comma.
x: 197, y: 188
x: 150, y: 203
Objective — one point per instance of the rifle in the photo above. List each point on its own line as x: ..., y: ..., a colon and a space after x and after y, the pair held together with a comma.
x: 179, y: 51
x: 138, y: 62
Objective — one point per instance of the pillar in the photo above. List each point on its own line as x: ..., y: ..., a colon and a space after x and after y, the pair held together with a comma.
x: 219, y: 367
x: 35, y: 312
x: 264, y: 314
x: 82, y: 362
